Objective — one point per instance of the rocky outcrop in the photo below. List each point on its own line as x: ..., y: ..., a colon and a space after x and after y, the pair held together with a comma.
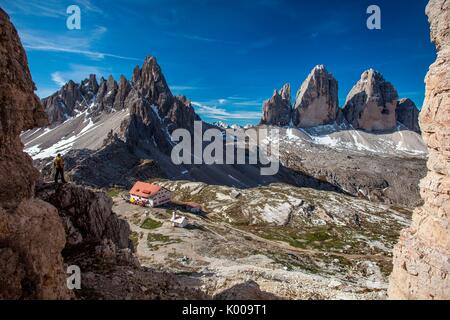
x: 371, y: 103
x: 277, y: 110
x: 317, y: 100
x: 87, y: 215
x: 31, y: 233
x: 408, y: 114
x: 421, y: 258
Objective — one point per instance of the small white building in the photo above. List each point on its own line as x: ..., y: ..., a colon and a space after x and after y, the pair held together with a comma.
x: 148, y: 194
x: 179, y: 221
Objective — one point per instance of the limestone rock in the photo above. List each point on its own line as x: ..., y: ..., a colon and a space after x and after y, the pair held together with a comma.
x: 87, y: 213
x: 371, y: 103
x: 122, y: 93
x: 154, y: 111
x: 277, y: 110
x: 106, y: 94
x: 317, y: 100
x: 89, y: 87
x: 408, y: 114
x: 31, y: 264
x: 31, y: 233
x: 20, y: 110
x: 422, y: 256
x: 63, y: 104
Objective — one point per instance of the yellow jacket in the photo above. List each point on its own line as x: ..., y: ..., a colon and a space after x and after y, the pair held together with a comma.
x: 58, y: 162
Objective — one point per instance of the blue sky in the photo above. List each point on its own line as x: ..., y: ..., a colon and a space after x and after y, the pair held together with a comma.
x: 227, y: 55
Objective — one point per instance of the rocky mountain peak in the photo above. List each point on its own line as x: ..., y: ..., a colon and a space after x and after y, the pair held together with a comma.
x: 317, y: 99
x: 408, y: 114
x: 277, y: 110
x: 89, y: 86
x: 371, y: 103
x: 123, y: 90
x: 285, y: 92
x: 150, y: 81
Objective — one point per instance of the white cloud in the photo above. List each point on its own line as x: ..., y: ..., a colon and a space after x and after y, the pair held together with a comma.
x: 68, y: 43
x: 47, y: 8
x: 58, y: 79
x: 250, y: 103
x: 198, y: 38
x: 78, y: 72
x: 183, y: 88
x: 222, y: 114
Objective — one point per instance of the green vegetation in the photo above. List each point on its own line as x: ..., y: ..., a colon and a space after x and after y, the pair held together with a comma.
x: 160, y: 239
x: 318, y: 238
x: 134, y: 237
x: 157, y: 237
x: 150, y: 224
x: 114, y: 192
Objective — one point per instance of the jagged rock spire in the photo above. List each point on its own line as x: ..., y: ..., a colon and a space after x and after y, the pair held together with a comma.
x: 317, y: 99
x: 277, y: 110
x: 371, y: 103
x: 408, y: 114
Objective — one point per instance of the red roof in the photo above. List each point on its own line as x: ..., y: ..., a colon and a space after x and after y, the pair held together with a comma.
x: 144, y: 190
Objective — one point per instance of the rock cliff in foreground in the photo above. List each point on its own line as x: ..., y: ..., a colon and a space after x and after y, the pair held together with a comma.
x: 422, y: 257
x: 31, y: 233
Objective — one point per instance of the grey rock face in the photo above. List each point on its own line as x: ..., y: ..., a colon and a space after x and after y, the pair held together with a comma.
x: 277, y: 110
x: 87, y: 214
x: 408, y: 114
x: 62, y: 104
x: 89, y: 87
x: 31, y: 234
x: 154, y: 111
x: 106, y: 94
x: 317, y: 100
x: 371, y: 103
x: 122, y: 92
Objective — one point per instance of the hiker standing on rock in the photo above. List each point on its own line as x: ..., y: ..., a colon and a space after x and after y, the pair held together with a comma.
x: 58, y: 163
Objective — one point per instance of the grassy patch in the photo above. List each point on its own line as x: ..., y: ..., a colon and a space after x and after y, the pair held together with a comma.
x: 134, y: 237
x: 319, y: 238
x: 157, y: 237
x: 160, y: 239
x: 150, y: 224
x: 114, y: 192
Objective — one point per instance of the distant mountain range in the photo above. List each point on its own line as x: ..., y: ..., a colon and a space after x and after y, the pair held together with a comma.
x: 113, y: 133
x: 372, y: 105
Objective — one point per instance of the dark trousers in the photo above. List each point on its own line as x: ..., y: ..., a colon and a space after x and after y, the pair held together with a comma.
x: 59, y: 172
